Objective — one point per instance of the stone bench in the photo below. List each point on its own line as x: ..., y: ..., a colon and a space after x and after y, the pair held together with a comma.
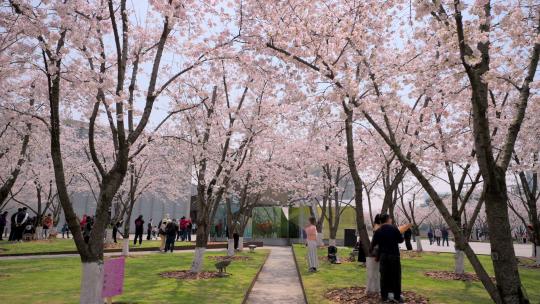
x: 252, y: 248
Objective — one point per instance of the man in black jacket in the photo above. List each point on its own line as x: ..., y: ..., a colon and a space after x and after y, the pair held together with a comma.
x: 3, y: 222
x: 170, y: 231
x: 387, y: 238
x: 20, y: 222
x: 13, y: 227
x: 407, y: 235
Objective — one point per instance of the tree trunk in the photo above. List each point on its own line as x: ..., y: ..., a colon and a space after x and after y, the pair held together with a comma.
x: 333, y: 233
x: 91, y: 282
x: 200, y: 247
x: 230, y: 225
x: 197, y: 264
x: 373, y: 281
x: 319, y: 221
x: 502, y: 247
x: 419, y: 243
x: 108, y: 236
x: 241, y: 243
x: 373, y: 284
x: 125, y: 246
x: 357, y: 181
x: 459, y: 262
x: 535, y: 223
x: 230, y: 245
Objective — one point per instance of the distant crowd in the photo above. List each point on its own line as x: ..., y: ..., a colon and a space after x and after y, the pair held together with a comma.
x: 22, y: 226
x: 167, y: 230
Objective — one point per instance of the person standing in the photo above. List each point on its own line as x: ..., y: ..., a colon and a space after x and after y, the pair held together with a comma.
x: 189, y: 230
x: 162, y: 233
x: 183, y: 227
x: 438, y: 235
x: 311, y: 238
x: 407, y: 235
x: 88, y: 228
x: 13, y: 227
x: 65, y: 230
x: 235, y: 234
x: 149, y: 231
x: 387, y: 238
x: 83, y: 222
x: 139, y: 228
x: 171, y: 231
x: 47, y: 224
x: 444, y: 234
x: 3, y: 222
x: 430, y: 236
x: 20, y: 222
x: 115, y: 228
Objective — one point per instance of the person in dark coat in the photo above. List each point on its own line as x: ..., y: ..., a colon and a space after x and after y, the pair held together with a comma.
x: 88, y: 228
x: 444, y: 233
x: 13, y: 227
x: 149, y: 231
x: 115, y: 228
x: 21, y: 220
x: 387, y: 238
x: 430, y: 236
x: 139, y: 230
x: 3, y: 222
x: 189, y: 230
x: 171, y: 231
x: 407, y: 235
x: 65, y: 230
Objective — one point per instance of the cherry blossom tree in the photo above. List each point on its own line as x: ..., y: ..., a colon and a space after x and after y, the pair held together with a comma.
x: 88, y: 52
x: 219, y: 134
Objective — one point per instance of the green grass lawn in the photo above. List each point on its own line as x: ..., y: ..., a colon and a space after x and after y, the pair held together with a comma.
x: 63, y: 245
x: 413, y: 279
x: 57, y: 280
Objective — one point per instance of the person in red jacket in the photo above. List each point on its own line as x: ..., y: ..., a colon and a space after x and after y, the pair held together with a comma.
x: 183, y: 227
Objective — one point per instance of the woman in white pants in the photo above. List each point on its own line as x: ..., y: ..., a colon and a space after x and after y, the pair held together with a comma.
x: 311, y: 236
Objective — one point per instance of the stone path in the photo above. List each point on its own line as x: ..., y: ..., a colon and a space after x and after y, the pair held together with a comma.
x: 278, y: 281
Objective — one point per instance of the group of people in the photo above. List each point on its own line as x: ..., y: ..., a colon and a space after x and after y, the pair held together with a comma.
x: 22, y: 225
x: 384, y: 248
x: 171, y: 230
x: 438, y: 236
x: 168, y: 230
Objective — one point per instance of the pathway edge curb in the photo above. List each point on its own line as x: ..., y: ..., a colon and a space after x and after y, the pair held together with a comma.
x: 248, y: 292
x: 299, y: 275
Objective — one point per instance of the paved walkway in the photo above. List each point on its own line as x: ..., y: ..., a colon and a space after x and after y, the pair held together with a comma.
x: 522, y: 250
x: 278, y: 281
